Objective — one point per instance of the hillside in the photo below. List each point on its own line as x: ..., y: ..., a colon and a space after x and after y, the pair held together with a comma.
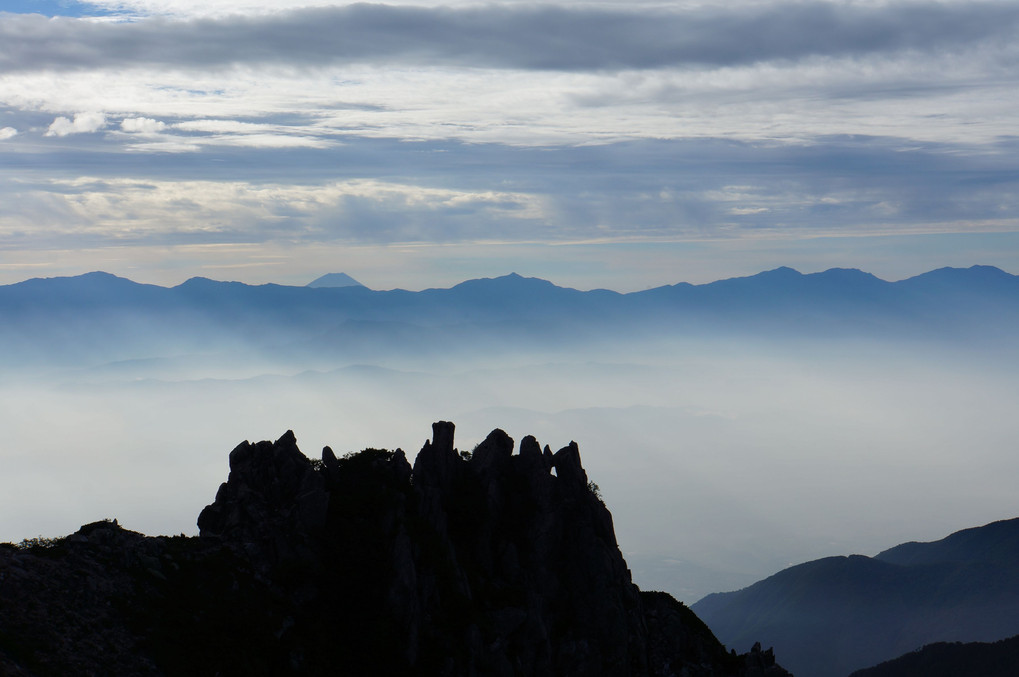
x: 835, y: 615
x: 953, y: 659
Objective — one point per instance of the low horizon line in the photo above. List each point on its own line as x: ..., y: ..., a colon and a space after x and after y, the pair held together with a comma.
x: 511, y: 274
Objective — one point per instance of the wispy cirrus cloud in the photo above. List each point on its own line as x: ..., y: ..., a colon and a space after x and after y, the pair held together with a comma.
x: 148, y: 135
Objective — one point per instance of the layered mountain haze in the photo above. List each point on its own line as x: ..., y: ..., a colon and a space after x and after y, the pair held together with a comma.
x: 740, y: 426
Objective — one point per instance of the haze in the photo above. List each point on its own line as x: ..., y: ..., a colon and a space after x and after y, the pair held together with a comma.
x: 727, y: 445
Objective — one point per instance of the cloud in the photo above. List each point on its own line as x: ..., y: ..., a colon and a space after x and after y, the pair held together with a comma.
x: 538, y: 37
x: 142, y: 125
x: 7, y: 133
x: 952, y: 90
x: 225, y: 8
x: 224, y: 126
x: 92, y: 211
x: 83, y: 123
x: 380, y: 191
x: 220, y: 132
x: 898, y: 136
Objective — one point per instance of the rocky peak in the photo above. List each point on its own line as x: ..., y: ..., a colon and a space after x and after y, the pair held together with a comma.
x: 482, y: 563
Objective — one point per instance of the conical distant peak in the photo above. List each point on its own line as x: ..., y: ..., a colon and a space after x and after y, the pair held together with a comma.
x: 335, y: 280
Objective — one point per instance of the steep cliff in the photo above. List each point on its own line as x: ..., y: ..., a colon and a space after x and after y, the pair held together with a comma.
x: 481, y: 563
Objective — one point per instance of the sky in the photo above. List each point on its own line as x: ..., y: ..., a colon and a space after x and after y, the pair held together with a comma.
x: 594, y: 143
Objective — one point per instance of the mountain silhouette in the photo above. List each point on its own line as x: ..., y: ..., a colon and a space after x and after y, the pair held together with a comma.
x: 487, y: 562
x: 952, y: 659
x: 335, y: 280
x: 838, y: 614
x: 98, y: 317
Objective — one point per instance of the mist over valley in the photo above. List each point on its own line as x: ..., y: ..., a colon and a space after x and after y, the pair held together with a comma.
x: 734, y: 428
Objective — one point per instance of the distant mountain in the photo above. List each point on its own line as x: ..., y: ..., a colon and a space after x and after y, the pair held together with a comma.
x: 99, y: 317
x: 995, y: 543
x: 953, y: 659
x: 466, y: 563
x: 335, y: 280
x: 829, y: 617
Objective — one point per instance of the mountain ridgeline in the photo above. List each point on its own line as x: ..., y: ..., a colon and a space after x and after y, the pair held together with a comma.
x: 953, y: 659
x: 835, y: 615
x: 468, y: 563
x: 96, y: 317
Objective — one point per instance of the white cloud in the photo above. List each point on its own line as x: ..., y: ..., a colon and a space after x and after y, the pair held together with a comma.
x: 171, y: 144
x: 224, y: 127
x: 166, y: 145
x: 268, y: 141
x: 142, y: 125
x: 83, y: 123
x: 134, y: 211
x: 234, y: 133
x: 7, y: 132
x: 945, y: 101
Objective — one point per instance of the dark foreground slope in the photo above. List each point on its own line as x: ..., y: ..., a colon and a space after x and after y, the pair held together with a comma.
x: 490, y: 563
x: 953, y: 659
x: 838, y: 614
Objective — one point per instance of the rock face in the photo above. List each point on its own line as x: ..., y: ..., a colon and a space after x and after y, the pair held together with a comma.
x: 482, y: 563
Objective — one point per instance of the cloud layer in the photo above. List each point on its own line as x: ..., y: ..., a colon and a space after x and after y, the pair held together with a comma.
x: 179, y: 124
x: 509, y: 37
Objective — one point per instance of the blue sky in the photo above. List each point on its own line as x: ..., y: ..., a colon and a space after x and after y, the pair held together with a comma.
x: 593, y: 143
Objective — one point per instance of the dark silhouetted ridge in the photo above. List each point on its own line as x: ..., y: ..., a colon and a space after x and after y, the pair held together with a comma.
x: 835, y: 615
x: 466, y: 563
x: 997, y: 543
x: 953, y: 659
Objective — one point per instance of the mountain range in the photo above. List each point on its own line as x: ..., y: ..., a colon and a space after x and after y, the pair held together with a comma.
x: 98, y: 317
x: 835, y: 615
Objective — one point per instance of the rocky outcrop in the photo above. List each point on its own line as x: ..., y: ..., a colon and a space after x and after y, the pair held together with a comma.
x: 487, y: 562
x: 273, y: 505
